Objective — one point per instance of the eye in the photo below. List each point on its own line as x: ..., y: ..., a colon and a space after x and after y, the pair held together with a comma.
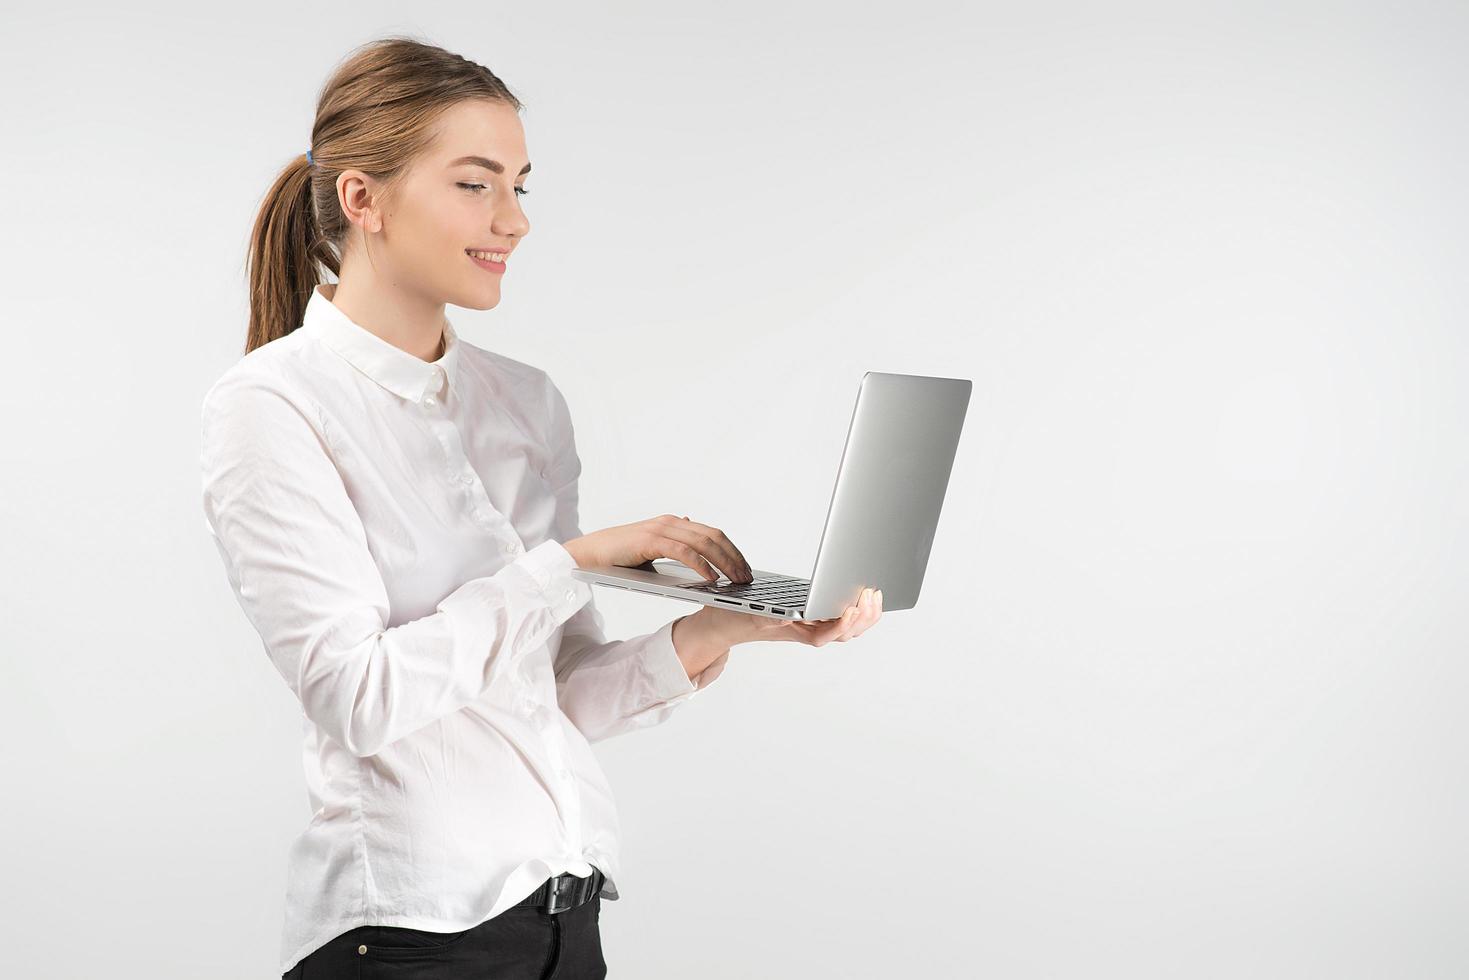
x: 476, y: 188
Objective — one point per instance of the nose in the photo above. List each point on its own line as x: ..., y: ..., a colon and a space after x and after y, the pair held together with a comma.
x: 511, y: 222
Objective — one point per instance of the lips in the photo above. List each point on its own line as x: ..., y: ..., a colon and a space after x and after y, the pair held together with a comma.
x: 489, y: 266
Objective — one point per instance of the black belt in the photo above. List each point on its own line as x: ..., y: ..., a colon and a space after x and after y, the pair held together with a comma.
x: 565, y: 892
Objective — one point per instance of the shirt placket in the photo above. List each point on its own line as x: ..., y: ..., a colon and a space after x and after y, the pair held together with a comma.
x: 462, y: 474
x: 564, y: 791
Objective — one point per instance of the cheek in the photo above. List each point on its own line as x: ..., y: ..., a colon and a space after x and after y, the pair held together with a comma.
x: 440, y: 245
x: 443, y: 224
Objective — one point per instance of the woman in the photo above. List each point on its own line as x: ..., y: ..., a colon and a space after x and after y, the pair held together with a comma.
x: 397, y: 513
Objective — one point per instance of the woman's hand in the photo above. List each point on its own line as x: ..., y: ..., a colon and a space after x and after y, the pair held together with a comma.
x: 703, y: 639
x: 665, y: 536
x: 856, y: 619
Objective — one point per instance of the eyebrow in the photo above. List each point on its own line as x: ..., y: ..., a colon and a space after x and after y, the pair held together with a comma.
x: 493, y: 166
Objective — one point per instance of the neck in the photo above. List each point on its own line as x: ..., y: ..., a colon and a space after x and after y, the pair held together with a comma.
x: 407, y: 322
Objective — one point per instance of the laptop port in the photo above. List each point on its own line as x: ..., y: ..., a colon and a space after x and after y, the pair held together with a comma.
x: 756, y: 605
x: 777, y: 609
x: 728, y: 601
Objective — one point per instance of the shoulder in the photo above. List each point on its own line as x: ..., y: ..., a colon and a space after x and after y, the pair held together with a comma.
x: 530, y: 388
x: 499, y: 368
x: 269, y: 383
x: 527, y: 385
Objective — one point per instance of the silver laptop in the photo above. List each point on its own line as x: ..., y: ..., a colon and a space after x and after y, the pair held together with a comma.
x: 879, y: 528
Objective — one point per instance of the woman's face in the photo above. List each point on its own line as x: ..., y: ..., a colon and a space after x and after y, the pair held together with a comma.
x: 460, y: 195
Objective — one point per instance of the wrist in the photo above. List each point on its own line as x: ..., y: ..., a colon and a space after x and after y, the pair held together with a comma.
x: 702, y: 637
x: 722, y: 627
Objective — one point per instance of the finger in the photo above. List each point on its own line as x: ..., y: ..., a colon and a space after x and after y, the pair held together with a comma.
x: 733, y: 560
x: 876, y: 610
x: 709, y: 547
x: 858, y: 618
x: 835, y: 630
x: 723, y: 539
x: 819, y: 624
x: 858, y: 613
x: 872, y: 611
x: 868, y: 612
x: 674, y: 548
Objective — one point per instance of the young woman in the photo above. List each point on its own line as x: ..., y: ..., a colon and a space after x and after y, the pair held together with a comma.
x: 396, y: 510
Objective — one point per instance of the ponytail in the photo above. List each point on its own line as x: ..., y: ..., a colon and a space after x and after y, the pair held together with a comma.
x: 285, y: 253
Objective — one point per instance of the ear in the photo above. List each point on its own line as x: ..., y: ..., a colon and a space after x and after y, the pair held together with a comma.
x: 360, y: 197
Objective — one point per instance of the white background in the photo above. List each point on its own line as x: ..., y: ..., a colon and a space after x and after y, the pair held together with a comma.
x: 1183, y: 695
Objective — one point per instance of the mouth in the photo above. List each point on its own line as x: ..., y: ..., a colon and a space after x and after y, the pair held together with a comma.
x: 489, y: 261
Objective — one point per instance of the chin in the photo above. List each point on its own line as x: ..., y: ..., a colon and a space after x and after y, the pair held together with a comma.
x: 479, y: 302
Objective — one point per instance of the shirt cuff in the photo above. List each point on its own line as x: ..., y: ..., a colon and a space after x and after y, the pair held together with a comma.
x: 549, y: 566
x: 668, y: 681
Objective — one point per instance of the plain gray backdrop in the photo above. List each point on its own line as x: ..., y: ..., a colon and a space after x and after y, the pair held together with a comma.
x: 1183, y: 694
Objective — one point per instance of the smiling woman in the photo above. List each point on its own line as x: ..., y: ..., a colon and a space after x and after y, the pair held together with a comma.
x: 396, y: 510
x: 396, y: 541
x: 407, y: 179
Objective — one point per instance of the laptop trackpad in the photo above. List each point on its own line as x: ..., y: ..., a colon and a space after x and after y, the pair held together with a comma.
x: 666, y: 572
x: 672, y: 572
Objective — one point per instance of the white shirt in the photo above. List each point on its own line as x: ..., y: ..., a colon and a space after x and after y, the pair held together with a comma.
x: 391, y: 528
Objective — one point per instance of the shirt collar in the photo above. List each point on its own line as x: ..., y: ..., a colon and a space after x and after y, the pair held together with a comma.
x: 392, y: 367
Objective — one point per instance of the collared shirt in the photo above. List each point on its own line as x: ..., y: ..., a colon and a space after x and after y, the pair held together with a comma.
x: 392, y: 528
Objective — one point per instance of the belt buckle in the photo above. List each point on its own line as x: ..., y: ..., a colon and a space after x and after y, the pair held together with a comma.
x: 563, y: 885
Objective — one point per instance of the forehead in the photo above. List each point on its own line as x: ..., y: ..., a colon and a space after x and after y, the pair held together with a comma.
x: 479, y: 127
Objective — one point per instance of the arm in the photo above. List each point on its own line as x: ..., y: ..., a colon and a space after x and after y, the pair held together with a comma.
x: 296, y: 554
x: 609, y: 687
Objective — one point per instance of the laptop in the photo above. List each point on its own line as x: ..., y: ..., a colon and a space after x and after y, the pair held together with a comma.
x: 880, y: 524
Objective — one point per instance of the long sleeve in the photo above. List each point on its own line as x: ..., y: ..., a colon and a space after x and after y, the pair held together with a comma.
x: 297, y: 555
x: 606, y: 687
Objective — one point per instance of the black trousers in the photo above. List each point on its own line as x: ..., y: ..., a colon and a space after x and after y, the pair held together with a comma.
x: 521, y: 943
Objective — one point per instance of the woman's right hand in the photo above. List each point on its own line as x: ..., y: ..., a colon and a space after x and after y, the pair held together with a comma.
x: 666, y: 536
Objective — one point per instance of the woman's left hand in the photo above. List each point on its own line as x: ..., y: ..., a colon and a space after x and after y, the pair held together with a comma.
x: 703, y: 639
x: 855, y: 620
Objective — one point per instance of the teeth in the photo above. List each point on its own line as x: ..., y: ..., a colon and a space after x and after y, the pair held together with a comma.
x: 489, y: 256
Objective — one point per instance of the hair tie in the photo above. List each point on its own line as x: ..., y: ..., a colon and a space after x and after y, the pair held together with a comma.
x: 309, y: 161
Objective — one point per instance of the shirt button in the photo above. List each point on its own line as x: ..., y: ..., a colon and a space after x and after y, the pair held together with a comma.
x: 571, y: 593
x: 429, y: 401
x: 512, y: 548
x: 361, y: 950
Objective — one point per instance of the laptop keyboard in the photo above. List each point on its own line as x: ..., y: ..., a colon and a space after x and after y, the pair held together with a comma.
x: 778, y: 590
